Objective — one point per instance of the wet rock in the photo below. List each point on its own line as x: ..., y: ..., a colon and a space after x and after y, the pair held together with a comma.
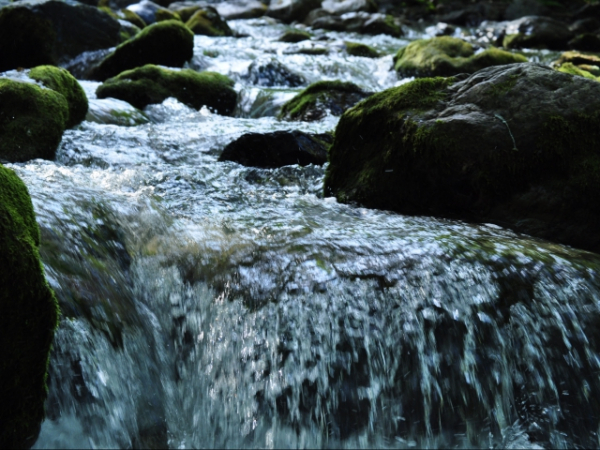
x: 114, y: 112
x: 294, y: 36
x: 36, y: 32
x: 445, y: 56
x: 169, y: 43
x: 29, y: 314
x: 151, y: 84
x: 339, y: 7
x: 151, y: 12
x: 291, y: 10
x: 587, y: 25
x: 537, y: 32
x: 208, y: 22
x: 281, y: 148
x: 360, y: 22
x: 322, y: 97
x: 242, y: 10
x: 271, y: 72
x: 358, y: 49
x: 512, y: 145
x: 441, y: 29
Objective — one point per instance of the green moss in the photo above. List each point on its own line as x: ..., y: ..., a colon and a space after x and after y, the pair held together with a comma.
x: 151, y: 84
x: 28, y: 320
x: 164, y: 14
x: 131, y: 17
x: 64, y: 83
x: 294, y: 36
x: 502, y: 88
x: 27, y: 40
x: 358, y: 49
x: 208, y: 22
x: 168, y: 43
x: 572, y: 69
x: 446, y: 56
x: 32, y: 120
x: 187, y: 12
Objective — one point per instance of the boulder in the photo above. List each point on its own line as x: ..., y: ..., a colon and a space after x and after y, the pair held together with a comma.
x: 242, y: 10
x: 271, y: 72
x: 151, y: 12
x: 586, y: 42
x: 314, y: 102
x: 115, y: 112
x: 359, y: 22
x: 294, y: 36
x: 64, y: 83
x: 151, y: 84
x: 168, y: 43
x: 515, y: 145
x: 575, y: 63
x: 208, y: 22
x: 537, y: 32
x: 32, y: 121
x: 446, y: 56
x: 339, y: 7
x: 28, y: 319
x: 281, y: 148
x: 358, y: 49
x: 36, y: 32
x: 291, y: 10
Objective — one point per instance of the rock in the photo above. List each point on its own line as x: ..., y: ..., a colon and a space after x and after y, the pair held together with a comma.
x: 169, y: 43
x: 281, y: 148
x: 314, y: 15
x: 185, y: 9
x: 358, y: 49
x: 64, y: 83
x: 115, y: 112
x: 294, y: 36
x: 575, y: 63
x: 131, y: 17
x: 514, y: 145
x: 37, y: 32
x: 321, y: 97
x: 587, y: 42
x: 339, y: 7
x: 32, y: 121
x: 208, y: 22
x: 360, y: 22
x: 271, y: 73
x: 29, y: 316
x: 441, y: 29
x: 537, y: 32
x: 245, y: 10
x: 151, y: 84
x: 587, y: 25
x: 291, y: 10
x: 151, y: 12
x: 445, y: 56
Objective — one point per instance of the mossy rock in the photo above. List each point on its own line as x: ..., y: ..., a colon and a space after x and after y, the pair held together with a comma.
x: 580, y: 64
x: 208, y: 22
x: 32, y: 121
x: 537, y: 32
x: 580, y: 71
x: 28, y: 320
x: 64, y: 83
x: 151, y: 84
x: 164, y: 14
x: 168, y: 43
x: 318, y: 98
x: 514, y: 145
x: 124, y: 14
x: 358, y: 49
x: 294, y: 36
x: 447, y: 56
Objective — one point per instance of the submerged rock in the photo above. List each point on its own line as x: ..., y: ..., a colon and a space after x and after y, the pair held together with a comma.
x: 321, y: 97
x: 36, y: 32
x: 151, y: 84
x: 168, y: 43
x: 271, y: 72
x: 208, y: 22
x: 512, y: 145
x: 281, y: 148
x: 29, y: 315
x: 446, y: 56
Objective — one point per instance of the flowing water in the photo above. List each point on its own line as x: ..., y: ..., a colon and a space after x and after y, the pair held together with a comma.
x: 206, y: 304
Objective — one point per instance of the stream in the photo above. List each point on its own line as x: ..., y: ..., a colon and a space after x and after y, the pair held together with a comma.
x: 210, y: 305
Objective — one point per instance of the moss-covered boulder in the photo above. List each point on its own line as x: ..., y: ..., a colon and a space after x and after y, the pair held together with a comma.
x: 358, y: 49
x: 32, y: 121
x: 278, y: 149
x: 576, y: 63
x: 537, y: 32
x: 168, y: 43
x: 515, y: 145
x: 322, y: 97
x: 294, y: 36
x: 36, y: 32
x: 28, y: 319
x: 447, y: 56
x: 151, y: 12
x: 208, y: 22
x: 64, y: 83
x: 151, y: 84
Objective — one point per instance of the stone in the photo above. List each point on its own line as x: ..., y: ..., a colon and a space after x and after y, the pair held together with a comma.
x: 244, y: 10
x: 291, y: 10
x: 537, y: 32
x: 359, y: 22
x: 115, y: 112
x: 271, y: 72
x: 208, y: 22
x: 37, y: 32
x: 515, y: 145
x: 322, y: 97
x: 358, y: 49
x: 294, y: 36
x: 281, y: 148
x: 151, y: 84
x: 29, y: 315
x: 580, y: 64
x: 446, y: 56
x: 168, y: 43
x: 339, y: 7
x: 151, y: 12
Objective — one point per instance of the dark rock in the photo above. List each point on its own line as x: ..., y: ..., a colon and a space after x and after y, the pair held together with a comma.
x: 291, y: 10
x: 293, y: 36
x: 321, y: 97
x: 169, y: 43
x: 360, y: 22
x: 587, y: 42
x: 314, y: 15
x: 582, y: 26
x: 28, y: 319
x: 208, y: 22
x: 339, y: 7
x: 151, y: 12
x: 36, y: 32
x: 358, y: 49
x: 512, y: 145
x: 537, y: 32
x: 281, y: 148
x: 151, y: 84
x: 271, y: 72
